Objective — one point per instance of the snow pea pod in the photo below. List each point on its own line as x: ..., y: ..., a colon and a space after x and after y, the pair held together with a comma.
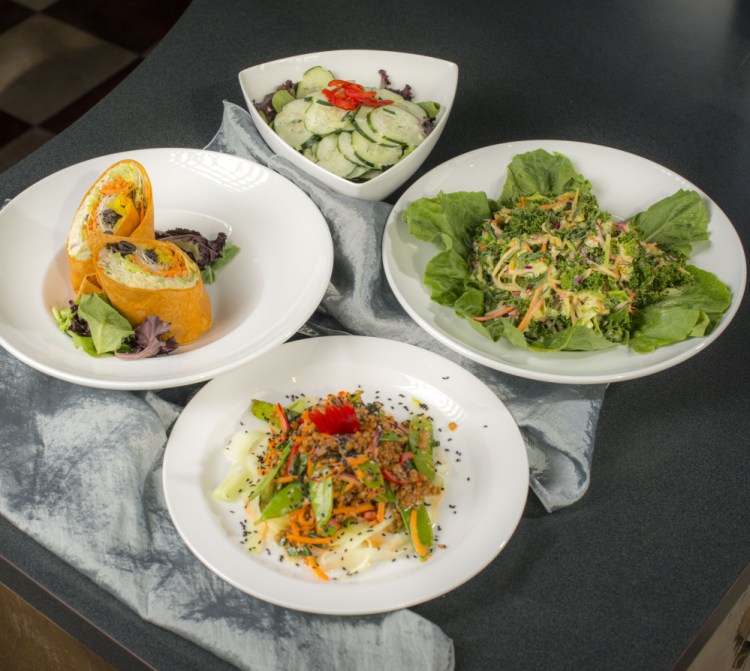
x: 421, y: 443
x: 321, y: 500
x: 370, y: 476
x: 423, y: 529
x: 283, y: 502
x: 284, y: 454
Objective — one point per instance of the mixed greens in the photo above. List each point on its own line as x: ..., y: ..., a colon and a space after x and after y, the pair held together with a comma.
x: 545, y: 268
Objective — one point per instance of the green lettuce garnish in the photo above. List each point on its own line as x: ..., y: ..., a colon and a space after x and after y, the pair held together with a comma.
x: 108, y: 329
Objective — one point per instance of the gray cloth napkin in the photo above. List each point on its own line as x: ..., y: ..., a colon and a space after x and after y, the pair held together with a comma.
x: 81, y: 474
x: 81, y: 470
x: 558, y: 422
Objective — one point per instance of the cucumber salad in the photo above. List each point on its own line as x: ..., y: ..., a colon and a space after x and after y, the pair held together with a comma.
x: 545, y: 268
x: 350, y: 130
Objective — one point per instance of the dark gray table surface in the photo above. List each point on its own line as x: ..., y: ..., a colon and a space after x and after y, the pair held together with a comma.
x: 624, y: 578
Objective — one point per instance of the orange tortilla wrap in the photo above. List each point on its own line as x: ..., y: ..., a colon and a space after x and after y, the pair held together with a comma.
x: 89, y: 285
x: 155, y: 277
x: 119, y: 203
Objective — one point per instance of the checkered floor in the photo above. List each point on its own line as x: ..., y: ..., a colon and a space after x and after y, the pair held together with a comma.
x: 60, y: 57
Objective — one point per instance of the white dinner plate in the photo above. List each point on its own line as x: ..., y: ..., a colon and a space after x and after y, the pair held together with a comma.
x: 624, y: 184
x: 485, y: 488
x: 258, y: 300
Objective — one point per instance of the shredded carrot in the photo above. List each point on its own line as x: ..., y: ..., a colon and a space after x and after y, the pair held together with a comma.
x: 286, y: 478
x: 116, y: 185
x: 353, y: 510
x: 310, y: 540
x: 560, y: 201
x: 356, y: 461
x: 494, y: 314
x: 348, y: 488
x: 310, y: 561
x: 422, y: 551
x: 536, y: 303
x: 294, y: 526
x: 309, y: 466
x: 381, y: 511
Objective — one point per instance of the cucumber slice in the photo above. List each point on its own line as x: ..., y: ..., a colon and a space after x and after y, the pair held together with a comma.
x: 281, y: 98
x: 322, y: 118
x: 308, y: 151
x: 362, y: 125
x: 345, y: 147
x: 397, y: 125
x: 358, y: 172
x: 377, y: 155
x: 314, y: 80
x: 403, y: 103
x: 289, y: 124
x: 329, y: 157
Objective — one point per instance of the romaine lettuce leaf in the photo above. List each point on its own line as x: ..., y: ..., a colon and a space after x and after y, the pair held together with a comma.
x: 690, y: 310
x: 108, y: 327
x: 675, y: 222
x: 539, y: 172
x: 447, y: 275
x: 448, y: 221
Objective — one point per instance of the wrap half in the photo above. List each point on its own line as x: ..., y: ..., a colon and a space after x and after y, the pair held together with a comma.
x: 119, y: 203
x: 155, y: 277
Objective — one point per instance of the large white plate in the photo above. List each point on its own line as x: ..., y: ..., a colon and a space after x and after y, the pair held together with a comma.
x: 486, y: 486
x: 258, y: 301
x: 625, y: 184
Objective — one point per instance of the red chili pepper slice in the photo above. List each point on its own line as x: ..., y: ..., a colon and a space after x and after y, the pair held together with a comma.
x: 334, y: 419
x: 349, y: 96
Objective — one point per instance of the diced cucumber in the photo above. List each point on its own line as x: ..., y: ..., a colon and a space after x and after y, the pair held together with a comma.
x: 377, y: 155
x: 315, y: 79
x: 322, y: 118
x: 362, y: 125
x: 289, y: 124
x: 397, y: 125
x: 329, y: 157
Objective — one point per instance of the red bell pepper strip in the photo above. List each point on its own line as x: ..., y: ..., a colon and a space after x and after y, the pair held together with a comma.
x: 392, y: 478
x: 283, y: 421
x: 290, y: 462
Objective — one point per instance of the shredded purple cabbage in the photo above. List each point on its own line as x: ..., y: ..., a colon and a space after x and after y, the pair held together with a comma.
x: 148, y: 340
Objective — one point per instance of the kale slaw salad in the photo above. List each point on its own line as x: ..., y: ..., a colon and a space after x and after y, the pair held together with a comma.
x: 545, y: 268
